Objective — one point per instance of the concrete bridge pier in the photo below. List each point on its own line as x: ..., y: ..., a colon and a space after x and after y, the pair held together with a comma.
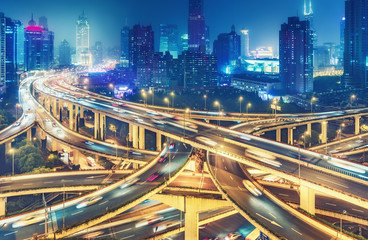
x: 135, y: 136
x: 81, y: 117
x: 278, y: 135
x: 100, y: 126
x: 3, y: 201
x: 142, y: 138
x: 308, y: 199
x: 130, y: 134
x: 357, y: 124
x: 290, y: 136
x: 309, y: 129
x: 158, y: 142
x: 71, y: 116
x: 29, y: 135
x: 324, y: 132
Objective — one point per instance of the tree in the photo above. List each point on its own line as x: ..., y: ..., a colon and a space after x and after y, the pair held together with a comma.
x: 28, y: 157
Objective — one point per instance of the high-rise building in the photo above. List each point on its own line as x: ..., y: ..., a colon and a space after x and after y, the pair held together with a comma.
x: 97, y: 53
x: 183, y: 42
x: 141, y: 46
x: 245, y: 43
x: 169, y: 39
x: 2, y: 54
x: 42, y: 22
x: 356, y: 43
x: 124, y: 40
x: 38, y: 47
x: 296, y: 56
x: 227, y: 49
x: 196, y: 26
x: 309, y: 16
x: 65, y: 53
x: 83, y: 56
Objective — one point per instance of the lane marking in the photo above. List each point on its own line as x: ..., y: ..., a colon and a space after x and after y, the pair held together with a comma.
x: 10, y: 233
x: 48, y: 182
x: 273, y: 215
x: 26, y: 184
x: 332, y: 182
x: 127, y: 237
x: 331, y: 204
x: 231, y: 177
x: 77, y: 212
x: 297, y: 231
x: 357, y: 210
x: 282, y: 194
x: 103, y: 202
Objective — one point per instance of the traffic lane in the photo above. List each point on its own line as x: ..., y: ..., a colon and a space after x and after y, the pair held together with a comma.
x: 335, y: 182
x: 109, y: 200
x: 57, y: 181
x: 322, y: 202
x: 230, y: 176
x: 194, y: 181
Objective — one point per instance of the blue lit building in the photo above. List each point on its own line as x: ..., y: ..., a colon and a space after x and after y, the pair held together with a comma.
x: 197, y: 26
x: 169, y: 39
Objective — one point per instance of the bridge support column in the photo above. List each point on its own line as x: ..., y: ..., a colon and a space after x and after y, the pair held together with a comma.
x: 309, y: 129
x: 207, y: 120
x: 76, y: 156
x: 357, y: 124
x: 307, y: 199
x: 3, y: 201
x: 71, y: 116
x: 102, y: 126
x: 81, y: 117
x: 43, y: 140
x: 29, y: 135
x: 278, y: 135
x: 324, y: 132
x: 130, y: 134
x: 135, y: 166
x: 290, y: 136
x: 142, y: 138
x: 158, y: 142
x: 54, y: 108
x: 8, y: 146
x: 97, y: 124
x: 54, y: 145
x: 61, y: 107
x: 135, y: 136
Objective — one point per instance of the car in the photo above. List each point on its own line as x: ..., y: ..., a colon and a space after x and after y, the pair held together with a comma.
x: 165, y: 225
x: 150, y: 220
x: 162, y: 160
x: 29, y: 220
x: 89, y: 201
x: 54, y: 125
x: 16, y: 124
x: 153, y: 177
x: 89, y: 143
x: 206, y: 140
x: 233, y: 236
x: 129, y: 183
x: 171, y: 146
x: 252, y: 188
x: 137, y: 153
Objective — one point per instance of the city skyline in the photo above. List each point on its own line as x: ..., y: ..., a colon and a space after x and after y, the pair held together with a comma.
x: 106, y: 20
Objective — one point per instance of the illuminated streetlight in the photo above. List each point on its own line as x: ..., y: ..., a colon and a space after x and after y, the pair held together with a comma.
x: 217, y: 104
x: 152, y: 92
x: 313, y: 99
x: 249, y: 105
x: 173, y: 96
x: 205, y: 102
x: 144, y: 95
x: 166, y: 100
x: 12, y: 153
x: 240, y: 102
x: 352, y: 98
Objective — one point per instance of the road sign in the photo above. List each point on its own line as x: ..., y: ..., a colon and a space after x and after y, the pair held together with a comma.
x: 263, y: 236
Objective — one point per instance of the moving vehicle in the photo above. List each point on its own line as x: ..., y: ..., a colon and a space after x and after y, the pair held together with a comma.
x: 91, y: 161
x: 89, y: 201
x: 251, y: 188
x: 29, y: 220
x: 153, y: 177
x: 17, y: 123
x: 129, y: 183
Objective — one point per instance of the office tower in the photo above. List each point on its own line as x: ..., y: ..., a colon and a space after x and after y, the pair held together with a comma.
x: 342, y: 40
x: 169, y: 39
x: 309, y: 16
x: 207, y: 40
x: 296, y: 56
x: 244, y: 43
x: 196, y: 26
x: 83, y: 55
x: 42, y: 22
x: 38, y: 47
x: 227, y: 49
x: 141, y: 46
x: 65, y: 53
x: 124, y: 44
x: 356, y: 43
x: 263, y: 53
x: 184, y: 42
x: 97, y: 53
x: 2, y: 54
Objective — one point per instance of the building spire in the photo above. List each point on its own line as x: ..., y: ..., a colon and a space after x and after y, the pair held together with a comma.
x: 32, y: 22
x: 308, y: 7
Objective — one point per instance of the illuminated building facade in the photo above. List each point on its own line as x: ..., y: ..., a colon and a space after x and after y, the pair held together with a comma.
x: 227, y: 49
x: 65, y: 53
x: 82, y: 41
x: 124, y: 44
x: 296, y: 56
x: 356, y: 43
x: 245, y: 43
x: 2, y: 54
x: 196, y: 26
x: 169, y: 39
x: 263, y: 53
x: 38, y: 47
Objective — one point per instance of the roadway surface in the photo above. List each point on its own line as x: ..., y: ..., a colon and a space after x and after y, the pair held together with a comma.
x: 229, y: 175
x: 87, y: 207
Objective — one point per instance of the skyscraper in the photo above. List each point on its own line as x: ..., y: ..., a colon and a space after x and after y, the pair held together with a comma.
x: 356, y: 43
x: 141, y: 46
x: 196, y: 26
x: 227, y: 50
x: 82, y: 44
x: 124, y: 43
x: 98, y: 53
x: 309, y: 16
x: 2, y: 54
x: 245, y: 43
x: 42, y: 21
x: 65, y: 53
x: 38, y: 47
x: 296, y: 56
x: 169, y: 39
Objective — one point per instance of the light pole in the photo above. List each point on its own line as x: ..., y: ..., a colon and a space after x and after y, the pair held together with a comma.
x: 186, y: 111
x: 352, y: 98
x: 240, y: 103
x: 205, y: 102
x: 313, y: 99
x: 248, y: 106
x: 153, y: 96
x: 173, y: 96
x: 12, y: 152
x: 343, y: 212
x: 144, y: 95
x: 217, y: 104
x: 166, y: 100
x: 341, y: 127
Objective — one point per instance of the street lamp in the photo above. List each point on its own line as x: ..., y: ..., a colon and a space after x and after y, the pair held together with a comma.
x: 313, y: 99
x: 12, y: 153
x: 248, y: 106
x: 240, y: 103
x: 144, y: 94
x: 186, y: 111
x: 205, y: 102
x: 217, y: 104
x: 153, y: 96
x: 341, y: 126
x: 343, y: 212
x: 352, y: 98
x: 166, y: 100
x: 173, y: 95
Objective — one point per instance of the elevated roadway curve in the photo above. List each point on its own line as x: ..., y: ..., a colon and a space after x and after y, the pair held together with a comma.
x: 100, y: 205
x: 343, y: 179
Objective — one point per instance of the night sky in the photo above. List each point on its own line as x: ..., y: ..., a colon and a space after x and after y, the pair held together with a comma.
x: 262, y: 17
